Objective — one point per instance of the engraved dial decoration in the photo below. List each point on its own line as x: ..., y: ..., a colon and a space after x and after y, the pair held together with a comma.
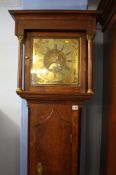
x: 55, y: 61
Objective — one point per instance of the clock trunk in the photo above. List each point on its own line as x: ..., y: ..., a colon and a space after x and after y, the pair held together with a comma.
x: 53, y: 139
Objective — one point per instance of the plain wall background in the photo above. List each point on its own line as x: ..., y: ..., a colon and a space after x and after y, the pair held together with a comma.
x: 10, y: 103
x: 55, y: 4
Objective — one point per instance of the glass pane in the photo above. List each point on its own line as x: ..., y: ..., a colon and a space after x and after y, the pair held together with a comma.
x: 55, y: 61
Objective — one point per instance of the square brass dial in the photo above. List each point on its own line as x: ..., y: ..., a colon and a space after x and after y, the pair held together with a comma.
x: 55, y: 61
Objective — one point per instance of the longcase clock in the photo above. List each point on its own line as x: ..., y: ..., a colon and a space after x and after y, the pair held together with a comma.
x: 55, y: 78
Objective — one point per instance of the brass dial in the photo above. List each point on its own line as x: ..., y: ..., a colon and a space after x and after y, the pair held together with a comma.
x: 55, y: 61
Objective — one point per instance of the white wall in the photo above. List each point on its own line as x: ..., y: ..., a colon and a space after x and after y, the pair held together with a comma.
x: 10, y: 103
x: 55, y: 4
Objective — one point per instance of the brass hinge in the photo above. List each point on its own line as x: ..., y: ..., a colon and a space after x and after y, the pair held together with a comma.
x: 39, y: 168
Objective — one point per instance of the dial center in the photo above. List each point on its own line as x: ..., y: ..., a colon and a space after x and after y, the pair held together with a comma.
x: 54, y: 60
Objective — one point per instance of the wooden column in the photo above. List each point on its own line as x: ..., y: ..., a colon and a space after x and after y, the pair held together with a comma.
x: 20, y: 55
x: 90, y: 77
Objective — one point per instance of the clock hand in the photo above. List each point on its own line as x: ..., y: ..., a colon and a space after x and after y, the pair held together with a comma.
x: 55, y: 46
x: 68, y: 53
x: 62, y: 49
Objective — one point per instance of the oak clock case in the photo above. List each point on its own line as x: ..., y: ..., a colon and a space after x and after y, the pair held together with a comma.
x: 55, y: 78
